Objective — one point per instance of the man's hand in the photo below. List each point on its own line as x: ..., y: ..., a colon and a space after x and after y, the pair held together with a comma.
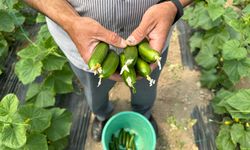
x: 86, y: 33
x: 155, y: 25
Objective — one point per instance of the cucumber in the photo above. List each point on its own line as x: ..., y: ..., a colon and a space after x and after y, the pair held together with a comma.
x: 127, y: 140
x: 133, y: 146
x: 116, y: 143
x: 124, y: 138
x: 98, y: 56
x: 131, y: 55
x: 111, y: 145
x: 120, y: 136
x: 109, y: 66
x: 148, y: 54
x: 131, y: 141
x: 144, y: 70
x: 129, y: 76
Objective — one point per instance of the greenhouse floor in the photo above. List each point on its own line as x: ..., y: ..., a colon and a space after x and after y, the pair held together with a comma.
x: 179, y: 92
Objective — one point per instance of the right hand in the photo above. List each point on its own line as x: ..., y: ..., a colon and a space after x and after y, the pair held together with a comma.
x: 86, y: 33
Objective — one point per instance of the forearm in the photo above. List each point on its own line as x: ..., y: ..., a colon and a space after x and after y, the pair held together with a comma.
x: 59, y: 11
x: 186, y: 2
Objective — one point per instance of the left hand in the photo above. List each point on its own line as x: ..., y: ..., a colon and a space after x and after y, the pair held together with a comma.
x: 155, y: 25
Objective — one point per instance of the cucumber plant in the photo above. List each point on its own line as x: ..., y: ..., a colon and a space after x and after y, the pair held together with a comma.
x: 221, y: 46
x: 25, y: 126
x: 11, y: 17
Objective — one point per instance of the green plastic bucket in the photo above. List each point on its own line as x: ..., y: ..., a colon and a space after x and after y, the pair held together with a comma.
x: 134, y: 122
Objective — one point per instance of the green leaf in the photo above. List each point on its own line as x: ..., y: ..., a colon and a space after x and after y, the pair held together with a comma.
x: 8, y: 105
x: 13, y: 136
x: 43, y: 34
x: 236, y: 25
x: 245, y: 140
x: 3, y: 47
x: 60, y: 81
x: 233, y: 50
x: 1, y: 71
x: 39, y: 118
x: 60, y: 124
x: 45, y: 98
x: 2, y: 147
x: 223, y: 140
x: 59, y: 144
x: 217, y: 2
x: 33, y: 90
x: 240, y: 101
x: 246, y: 10
x: 40, y: 18
x: 219, y: 101
x: 11, y: 3
x: 230, y: 15
x: 237, y: 2
x: 6, y: 22
x: 17, y: 17
x: 27, y: 70
x: 53, y: 62
x: 32, y: 52
x: 237, y: 131
x: 215, y: 38
x: 206, y: 59
x: 204, y: 21
x: 215, y: 11
x: 36, y: 141
x: 236, y: 69
x: 195, y: 41
x: 209, y: 78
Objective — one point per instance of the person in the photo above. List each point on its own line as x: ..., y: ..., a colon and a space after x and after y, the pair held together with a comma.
x: 78, y: 25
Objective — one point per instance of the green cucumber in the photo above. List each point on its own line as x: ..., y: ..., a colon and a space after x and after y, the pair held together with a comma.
x: 131, y: 141
x: 131, y: 55
x: 127, y: 140
x: 120, y: 136
x: 124, y: 138
x: 144, y: 70
x: 109, y: 66
x: 98, y: 56
x: 148, y: 54
x: 129, y: 76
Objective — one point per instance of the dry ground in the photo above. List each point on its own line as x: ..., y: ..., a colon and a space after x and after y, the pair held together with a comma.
x: 179, y: 92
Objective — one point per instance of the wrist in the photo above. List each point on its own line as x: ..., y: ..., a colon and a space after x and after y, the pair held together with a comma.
x: 67, y: 23
x: 185, y: 2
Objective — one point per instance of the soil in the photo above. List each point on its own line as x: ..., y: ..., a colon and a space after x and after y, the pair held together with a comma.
x: 179, y: 92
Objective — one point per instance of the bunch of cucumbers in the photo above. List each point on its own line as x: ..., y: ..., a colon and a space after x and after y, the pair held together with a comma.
x: 125, y: 140
x: 133, y: 60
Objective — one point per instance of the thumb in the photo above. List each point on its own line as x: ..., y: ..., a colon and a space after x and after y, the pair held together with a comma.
x: 138, y: 34
x: 111, y: 38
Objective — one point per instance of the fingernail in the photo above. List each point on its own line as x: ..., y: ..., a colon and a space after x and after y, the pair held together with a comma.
x: 131, y: 40
x: 123, y: 43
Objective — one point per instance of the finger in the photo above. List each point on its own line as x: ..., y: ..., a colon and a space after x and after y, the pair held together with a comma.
x: 153, y: 66
x: 87, y: 50
x: 111, y: 38
x: 140, y: 32
x: 158, y: 39
x: 116, y: 77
